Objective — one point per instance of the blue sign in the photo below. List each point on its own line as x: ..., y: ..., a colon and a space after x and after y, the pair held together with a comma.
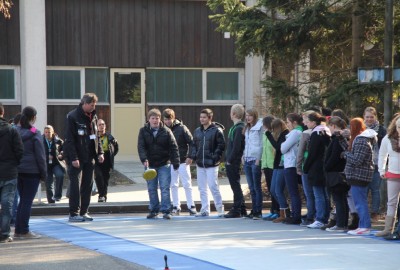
x: 376, y: 75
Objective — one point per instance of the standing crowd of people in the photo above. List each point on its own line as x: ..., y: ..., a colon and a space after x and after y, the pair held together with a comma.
x: 337, y: 162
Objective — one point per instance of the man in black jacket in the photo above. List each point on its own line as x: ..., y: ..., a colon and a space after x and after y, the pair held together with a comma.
x: 184, y: 139
x: 158, y: 149
x: 207, y: 150
x: 11, y: 152
x: 234, y: 153
x: 81, y: 147
x: 102, y: 170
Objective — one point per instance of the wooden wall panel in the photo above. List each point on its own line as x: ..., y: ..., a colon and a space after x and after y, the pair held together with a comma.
x: 9, y: 37
x: 140, y: 33
x: 11, y: 110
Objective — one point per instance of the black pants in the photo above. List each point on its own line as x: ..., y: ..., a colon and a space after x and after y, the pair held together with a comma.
x: 233, y: 173
x: 268, y: 179
x: 342, y: 208
x: 102, y: 177
x: 79, y: 196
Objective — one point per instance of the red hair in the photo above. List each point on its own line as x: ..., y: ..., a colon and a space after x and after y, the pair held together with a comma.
x: 357, y: 126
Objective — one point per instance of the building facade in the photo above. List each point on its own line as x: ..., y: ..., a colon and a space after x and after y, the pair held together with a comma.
x: 134, y: 54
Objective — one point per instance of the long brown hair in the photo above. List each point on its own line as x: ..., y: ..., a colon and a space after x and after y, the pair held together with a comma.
x: 253, y: 113
x: 357, y: 126
x: 392, y: 129
x: 278, y: 126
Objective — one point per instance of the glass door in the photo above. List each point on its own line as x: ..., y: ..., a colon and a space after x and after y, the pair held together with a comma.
x: 127, y: 109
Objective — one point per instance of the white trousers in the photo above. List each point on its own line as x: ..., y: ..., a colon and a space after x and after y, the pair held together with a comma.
x: 182, y: 174
x: 208, y: 178
x: 393, y: 190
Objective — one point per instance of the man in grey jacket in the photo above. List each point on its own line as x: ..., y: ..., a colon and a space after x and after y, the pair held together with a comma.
x: 11, y: 151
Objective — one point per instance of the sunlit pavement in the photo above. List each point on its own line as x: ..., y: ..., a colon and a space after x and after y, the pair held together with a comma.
x: 219, y: 243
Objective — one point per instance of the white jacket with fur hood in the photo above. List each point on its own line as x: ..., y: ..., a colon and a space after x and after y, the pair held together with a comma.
x: 254, y: 141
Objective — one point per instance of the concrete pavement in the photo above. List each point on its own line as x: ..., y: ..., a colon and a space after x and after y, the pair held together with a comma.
x: 130, y: 195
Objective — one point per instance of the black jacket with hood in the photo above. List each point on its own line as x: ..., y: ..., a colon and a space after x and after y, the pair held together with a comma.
x: 208, y: 145
x: 183, y: 138
x: 11, y: 151
x: 158, y: 150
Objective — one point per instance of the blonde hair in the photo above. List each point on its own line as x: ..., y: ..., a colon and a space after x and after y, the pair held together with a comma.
x: 238, y: 110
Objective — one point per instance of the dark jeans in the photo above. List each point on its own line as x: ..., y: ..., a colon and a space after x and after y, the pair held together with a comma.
x: 79, y: 196
x: 59, y: 173
x: 27, y: 188
x: 253, y: 176
x: 233, y: 174
x: 102, y: 178
x: 291, y: 182
x: 268, y: 178
x: 7, y: 191
x: 342, y: 208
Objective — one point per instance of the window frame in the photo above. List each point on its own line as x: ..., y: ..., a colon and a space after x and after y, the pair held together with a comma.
x: 204, y: 87
x: 82, y: 84
x: 17, y: 85
x: 221, y: 101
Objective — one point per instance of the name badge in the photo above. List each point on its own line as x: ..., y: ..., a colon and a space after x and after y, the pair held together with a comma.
x: 92, y: 137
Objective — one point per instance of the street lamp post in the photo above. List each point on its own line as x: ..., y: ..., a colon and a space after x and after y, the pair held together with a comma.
x: 388, y: 58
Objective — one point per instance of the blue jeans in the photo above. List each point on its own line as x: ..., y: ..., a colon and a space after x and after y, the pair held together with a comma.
x: 291, y: 182
x: 163, y: 179
x: 360, y: 200
x: 58, y: 172
x: 375, y: 187
x: 7, y: 193
x: 253, y: 177
x: 15, y: 205
x: 309, y: 194
x: 27, y: 188
x: 321, y: 204
x: 278, y: 188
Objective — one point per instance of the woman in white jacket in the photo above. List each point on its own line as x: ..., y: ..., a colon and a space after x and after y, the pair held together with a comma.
x: 390, y: 148
x: 289, y: 151
x: 253, y: 132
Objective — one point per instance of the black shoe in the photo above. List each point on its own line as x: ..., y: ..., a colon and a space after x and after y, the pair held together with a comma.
x: 152, y: 215
x: 292, y: 221
x: 393, y: 236
x: 243, y: 212
x: 167, y: 216
x: 257, y: 215
x: 86, y: 217
x: 5, y: 239
x: 330, y: 224
x: 250, y: 215
x: 232, y: 214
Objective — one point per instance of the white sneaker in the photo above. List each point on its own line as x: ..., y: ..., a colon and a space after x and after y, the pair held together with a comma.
x: 315, y: 225
x: 360, y: 231
x: 335, y: 229
x: 202, y: 214
x: 221, y: 211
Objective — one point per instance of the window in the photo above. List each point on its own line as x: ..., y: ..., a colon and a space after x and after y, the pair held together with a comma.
x: 194, y: 85
x: 174, y: 86
x: 96, y: 81
x: 69, y: 84
x: 222, y: 85
x: 63, y: 84
x: 7, y: 84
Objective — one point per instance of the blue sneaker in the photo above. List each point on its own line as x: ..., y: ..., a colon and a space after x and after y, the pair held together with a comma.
x: 274, y: 216
x: 268, y: 216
